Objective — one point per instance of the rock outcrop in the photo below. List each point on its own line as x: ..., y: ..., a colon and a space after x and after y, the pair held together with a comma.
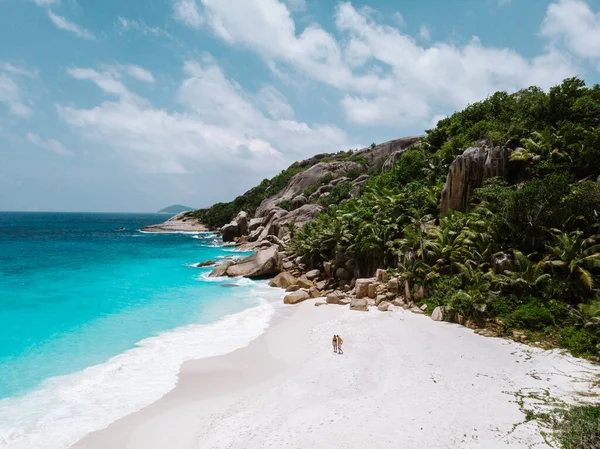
x: 182, y: 222
x: 468, y: 171
x: 391, y: 161
x: 230, y: 232
x: 311, y: 177
x: 263, y: 263
x: 387, y: 148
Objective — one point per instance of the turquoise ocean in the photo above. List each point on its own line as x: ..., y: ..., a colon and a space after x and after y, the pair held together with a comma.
x: 96, y: 321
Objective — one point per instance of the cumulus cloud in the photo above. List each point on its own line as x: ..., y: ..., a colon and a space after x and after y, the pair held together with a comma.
x: 188, y: 12
x: 296, y: 5
x: 383, y: 74
x: 573, y: 23
x: 221, y: 126
x: 65, y: 24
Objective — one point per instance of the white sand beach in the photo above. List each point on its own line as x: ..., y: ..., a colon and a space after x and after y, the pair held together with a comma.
x: 404, y: 381
x: 179, y: 223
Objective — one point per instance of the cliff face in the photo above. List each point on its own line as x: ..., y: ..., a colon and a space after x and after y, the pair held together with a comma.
x: 468, y: 172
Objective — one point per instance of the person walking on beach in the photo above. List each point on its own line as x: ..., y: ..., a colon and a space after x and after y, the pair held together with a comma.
x: 339, y: 344
x: 335, y: 343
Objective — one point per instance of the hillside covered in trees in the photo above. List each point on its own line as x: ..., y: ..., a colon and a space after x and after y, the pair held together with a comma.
x: 515, y: 248
x: 524, y: 255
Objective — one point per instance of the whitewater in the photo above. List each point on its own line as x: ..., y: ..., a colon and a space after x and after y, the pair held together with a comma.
x: 100, y: 329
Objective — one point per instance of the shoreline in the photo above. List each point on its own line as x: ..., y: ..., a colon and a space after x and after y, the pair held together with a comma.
x: 180, y: 223
x: 403, y: 377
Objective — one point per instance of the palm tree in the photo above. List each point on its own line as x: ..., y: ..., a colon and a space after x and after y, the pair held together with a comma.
x: 578, y: 255
x: 587, y: 315
x: 474, y: 299
x: 525, y: 273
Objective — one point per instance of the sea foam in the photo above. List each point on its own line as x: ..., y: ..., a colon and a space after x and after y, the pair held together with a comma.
x: 66, y: 408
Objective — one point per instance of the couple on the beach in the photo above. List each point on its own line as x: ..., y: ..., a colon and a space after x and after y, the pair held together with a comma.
x: 337, y: 344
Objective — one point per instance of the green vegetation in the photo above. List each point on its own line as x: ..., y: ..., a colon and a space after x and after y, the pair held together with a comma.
x: 222, y: 213
x: 525, y: 256
x: 577, y: 427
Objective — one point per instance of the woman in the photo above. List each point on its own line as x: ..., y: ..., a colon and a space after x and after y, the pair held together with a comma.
x: 335, y: 343
x: 339, y: 344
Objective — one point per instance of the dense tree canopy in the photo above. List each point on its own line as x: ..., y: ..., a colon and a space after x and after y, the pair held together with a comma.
x: 545, y: 226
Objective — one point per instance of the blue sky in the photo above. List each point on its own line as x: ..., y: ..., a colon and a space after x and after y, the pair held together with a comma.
x: 134, y: 105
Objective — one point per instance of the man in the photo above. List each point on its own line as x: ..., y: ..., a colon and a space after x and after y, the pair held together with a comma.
x: 339, y: 344
x: 335, y: 343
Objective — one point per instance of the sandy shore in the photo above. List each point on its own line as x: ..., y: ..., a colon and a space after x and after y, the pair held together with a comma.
x: 404, y: 381
x: 178, y: 223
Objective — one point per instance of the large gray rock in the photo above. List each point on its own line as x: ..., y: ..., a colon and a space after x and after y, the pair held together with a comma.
x: 221, y: 270
x: 468, y: 171
x: 387, y: 148
x: 299, y: 216
x: 362, y: 287
x: 283, y: 280
x: 261, y: 264
x: 303, y: 282
x: 254, y: 224
x: 313, y: 274
x: 254, y: 235
x: 296, y: 297
x: 242, y: 221
x: 381, y: 275
x: 359, y: 304
x: 298, y: 201
x: 336, y: 297
x: 437, y: 314
x: 392, y: 160
x: 383, y: 306
x: 305, y: 179
x: 230, y: 231
x: 393, y: 285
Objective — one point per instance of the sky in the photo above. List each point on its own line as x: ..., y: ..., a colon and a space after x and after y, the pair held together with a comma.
x: 130, y: 106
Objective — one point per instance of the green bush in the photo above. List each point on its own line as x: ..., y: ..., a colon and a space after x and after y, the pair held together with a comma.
x: 360, y: 159
x: 578, y: 427
x: 581, y: 342
x: 533, y: 315
x: 285, y: 204
x: 339, y: 193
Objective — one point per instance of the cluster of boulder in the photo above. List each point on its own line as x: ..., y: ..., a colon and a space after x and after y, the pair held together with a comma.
x: 381, y: 291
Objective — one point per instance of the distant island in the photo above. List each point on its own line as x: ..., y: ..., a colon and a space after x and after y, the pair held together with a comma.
x: 175, y: 209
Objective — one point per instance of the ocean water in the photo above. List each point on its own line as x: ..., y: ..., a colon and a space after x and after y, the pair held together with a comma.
x: 95, y: 322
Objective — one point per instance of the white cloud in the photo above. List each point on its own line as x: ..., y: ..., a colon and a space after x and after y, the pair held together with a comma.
x: 108, y: 81
x: 383, y: 74
x: 125, y: 24
x: 46, y: 2
x: 274, y: 103
x: 296, y: 5
x: 8, y: 67
x: 48, y: 144
x: 140, y: 73
x: 575, y: 24
x: 11, y: 92
x: 220, y: 126
x: 188, y: 12
x: 398, y: 19
x: 65, y: 24
x: 425, y: 33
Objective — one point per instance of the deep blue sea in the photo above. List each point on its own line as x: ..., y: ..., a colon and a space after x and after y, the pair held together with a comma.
x: 95, y: 321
